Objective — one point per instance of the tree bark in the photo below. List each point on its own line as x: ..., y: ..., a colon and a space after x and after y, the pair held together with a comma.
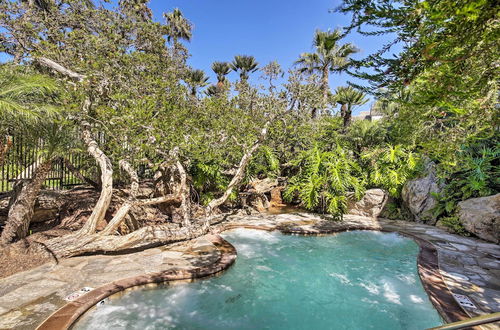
x: 106, y: 168
x: 73, y: 245
x: 22, y: 208
x: 240, y: 173
x: 127, y: 205
x: 347, y: 115
x: 184, y: 194
x: 325, y: 87
x: 59, y: 68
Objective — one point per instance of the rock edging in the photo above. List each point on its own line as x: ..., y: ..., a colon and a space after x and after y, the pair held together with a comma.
x: 427, y: 264
x: 65, y: 317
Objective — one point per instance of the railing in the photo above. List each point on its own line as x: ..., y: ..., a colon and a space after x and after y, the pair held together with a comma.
x: 478, y: 320
x: 21, y: 154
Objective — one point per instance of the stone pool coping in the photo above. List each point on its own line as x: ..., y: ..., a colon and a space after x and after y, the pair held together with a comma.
x: 427, y: 264
x: 66, y: 316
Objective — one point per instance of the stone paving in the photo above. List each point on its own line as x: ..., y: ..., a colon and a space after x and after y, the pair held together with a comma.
x: 469, y: 266
x: 29, y: 297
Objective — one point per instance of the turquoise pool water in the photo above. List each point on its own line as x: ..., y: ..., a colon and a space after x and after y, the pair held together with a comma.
x: 353, y: 280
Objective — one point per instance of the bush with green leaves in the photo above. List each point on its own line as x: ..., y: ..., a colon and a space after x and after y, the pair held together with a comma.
x: 476, y: 174
x: 391, y: 167
x: 325, y: 180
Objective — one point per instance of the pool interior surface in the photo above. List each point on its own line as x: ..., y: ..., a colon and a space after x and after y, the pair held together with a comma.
x: 353, y: 280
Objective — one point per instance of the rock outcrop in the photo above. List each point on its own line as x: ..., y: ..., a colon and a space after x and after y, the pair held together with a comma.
x: 371, y: 205
x: 481, y: 216
x: 417, y: 195
x: 262, y: 194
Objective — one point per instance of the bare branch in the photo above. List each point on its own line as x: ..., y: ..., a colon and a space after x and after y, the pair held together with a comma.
x: 240, y: 173
x: 59, y: 68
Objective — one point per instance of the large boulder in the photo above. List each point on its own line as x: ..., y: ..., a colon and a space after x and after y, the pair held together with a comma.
x: 370, y: 205
x: 260, y: 195
x: 417, y: 195
x: 481, y: 216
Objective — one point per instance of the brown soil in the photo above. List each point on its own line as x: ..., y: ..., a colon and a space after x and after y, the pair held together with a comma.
x: 74, y: 207
x: 22, y: 256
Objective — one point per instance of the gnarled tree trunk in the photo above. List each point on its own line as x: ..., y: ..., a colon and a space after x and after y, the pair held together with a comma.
x: 22, y: 204
x: 106, y: 168
x: 127, y: 205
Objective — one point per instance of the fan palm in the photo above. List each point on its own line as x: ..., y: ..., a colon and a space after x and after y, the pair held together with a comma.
x: 348, y: 98
x: 221, y: 69
x: 195, y: 79
x: 330, y: 56
x: 178, y: 27
x: 244, y: 64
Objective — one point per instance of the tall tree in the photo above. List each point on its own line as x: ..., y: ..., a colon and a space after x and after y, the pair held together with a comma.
x: 196, y: 79
x: 221, y: 69
x: 348, y: 98
x: 244, y: 64
x: 329, y: 56
x: 178, y: 27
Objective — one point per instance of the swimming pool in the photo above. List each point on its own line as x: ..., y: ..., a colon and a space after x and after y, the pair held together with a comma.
x: 352, y: 280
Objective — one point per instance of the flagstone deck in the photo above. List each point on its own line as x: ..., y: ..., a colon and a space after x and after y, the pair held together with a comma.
x: 464, y: 266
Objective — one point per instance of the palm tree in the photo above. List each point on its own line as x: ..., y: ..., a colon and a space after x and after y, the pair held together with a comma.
x: 21, y: 98
x: 21, y: 95
x: 244, y: 64
x: 330, y: 56
x: 195, y: 79
x: 212, y: 90
x: 221, y: 69
x: 178, y: 27
x: 348, y: 98
x: 24, y: 100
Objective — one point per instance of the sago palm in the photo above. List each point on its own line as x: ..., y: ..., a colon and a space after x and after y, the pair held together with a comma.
x: 329, y: 56
x: 349, y: 98
x: 244, y: 64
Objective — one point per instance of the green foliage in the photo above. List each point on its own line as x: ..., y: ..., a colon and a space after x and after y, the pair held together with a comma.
x: 364, y: 135
x: 244, y: 64
x: 24, y: 95
x: 453, y: 223
x: 476, y: 175
x: 390, y: 167
x: 264, y: 163
x: 329, y: 55
x: 325, y: 180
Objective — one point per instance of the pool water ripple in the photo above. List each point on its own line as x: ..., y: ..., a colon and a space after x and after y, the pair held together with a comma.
x: 353, y: 280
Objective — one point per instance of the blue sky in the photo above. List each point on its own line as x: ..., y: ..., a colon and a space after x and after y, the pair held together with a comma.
x: 267, y: 29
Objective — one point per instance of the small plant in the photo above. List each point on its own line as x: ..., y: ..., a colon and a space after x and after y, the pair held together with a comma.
x: 455, y: 225
x: 477, y: 175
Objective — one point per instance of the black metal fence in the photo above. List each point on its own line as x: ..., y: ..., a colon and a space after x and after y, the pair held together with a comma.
x: 20, y: 157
